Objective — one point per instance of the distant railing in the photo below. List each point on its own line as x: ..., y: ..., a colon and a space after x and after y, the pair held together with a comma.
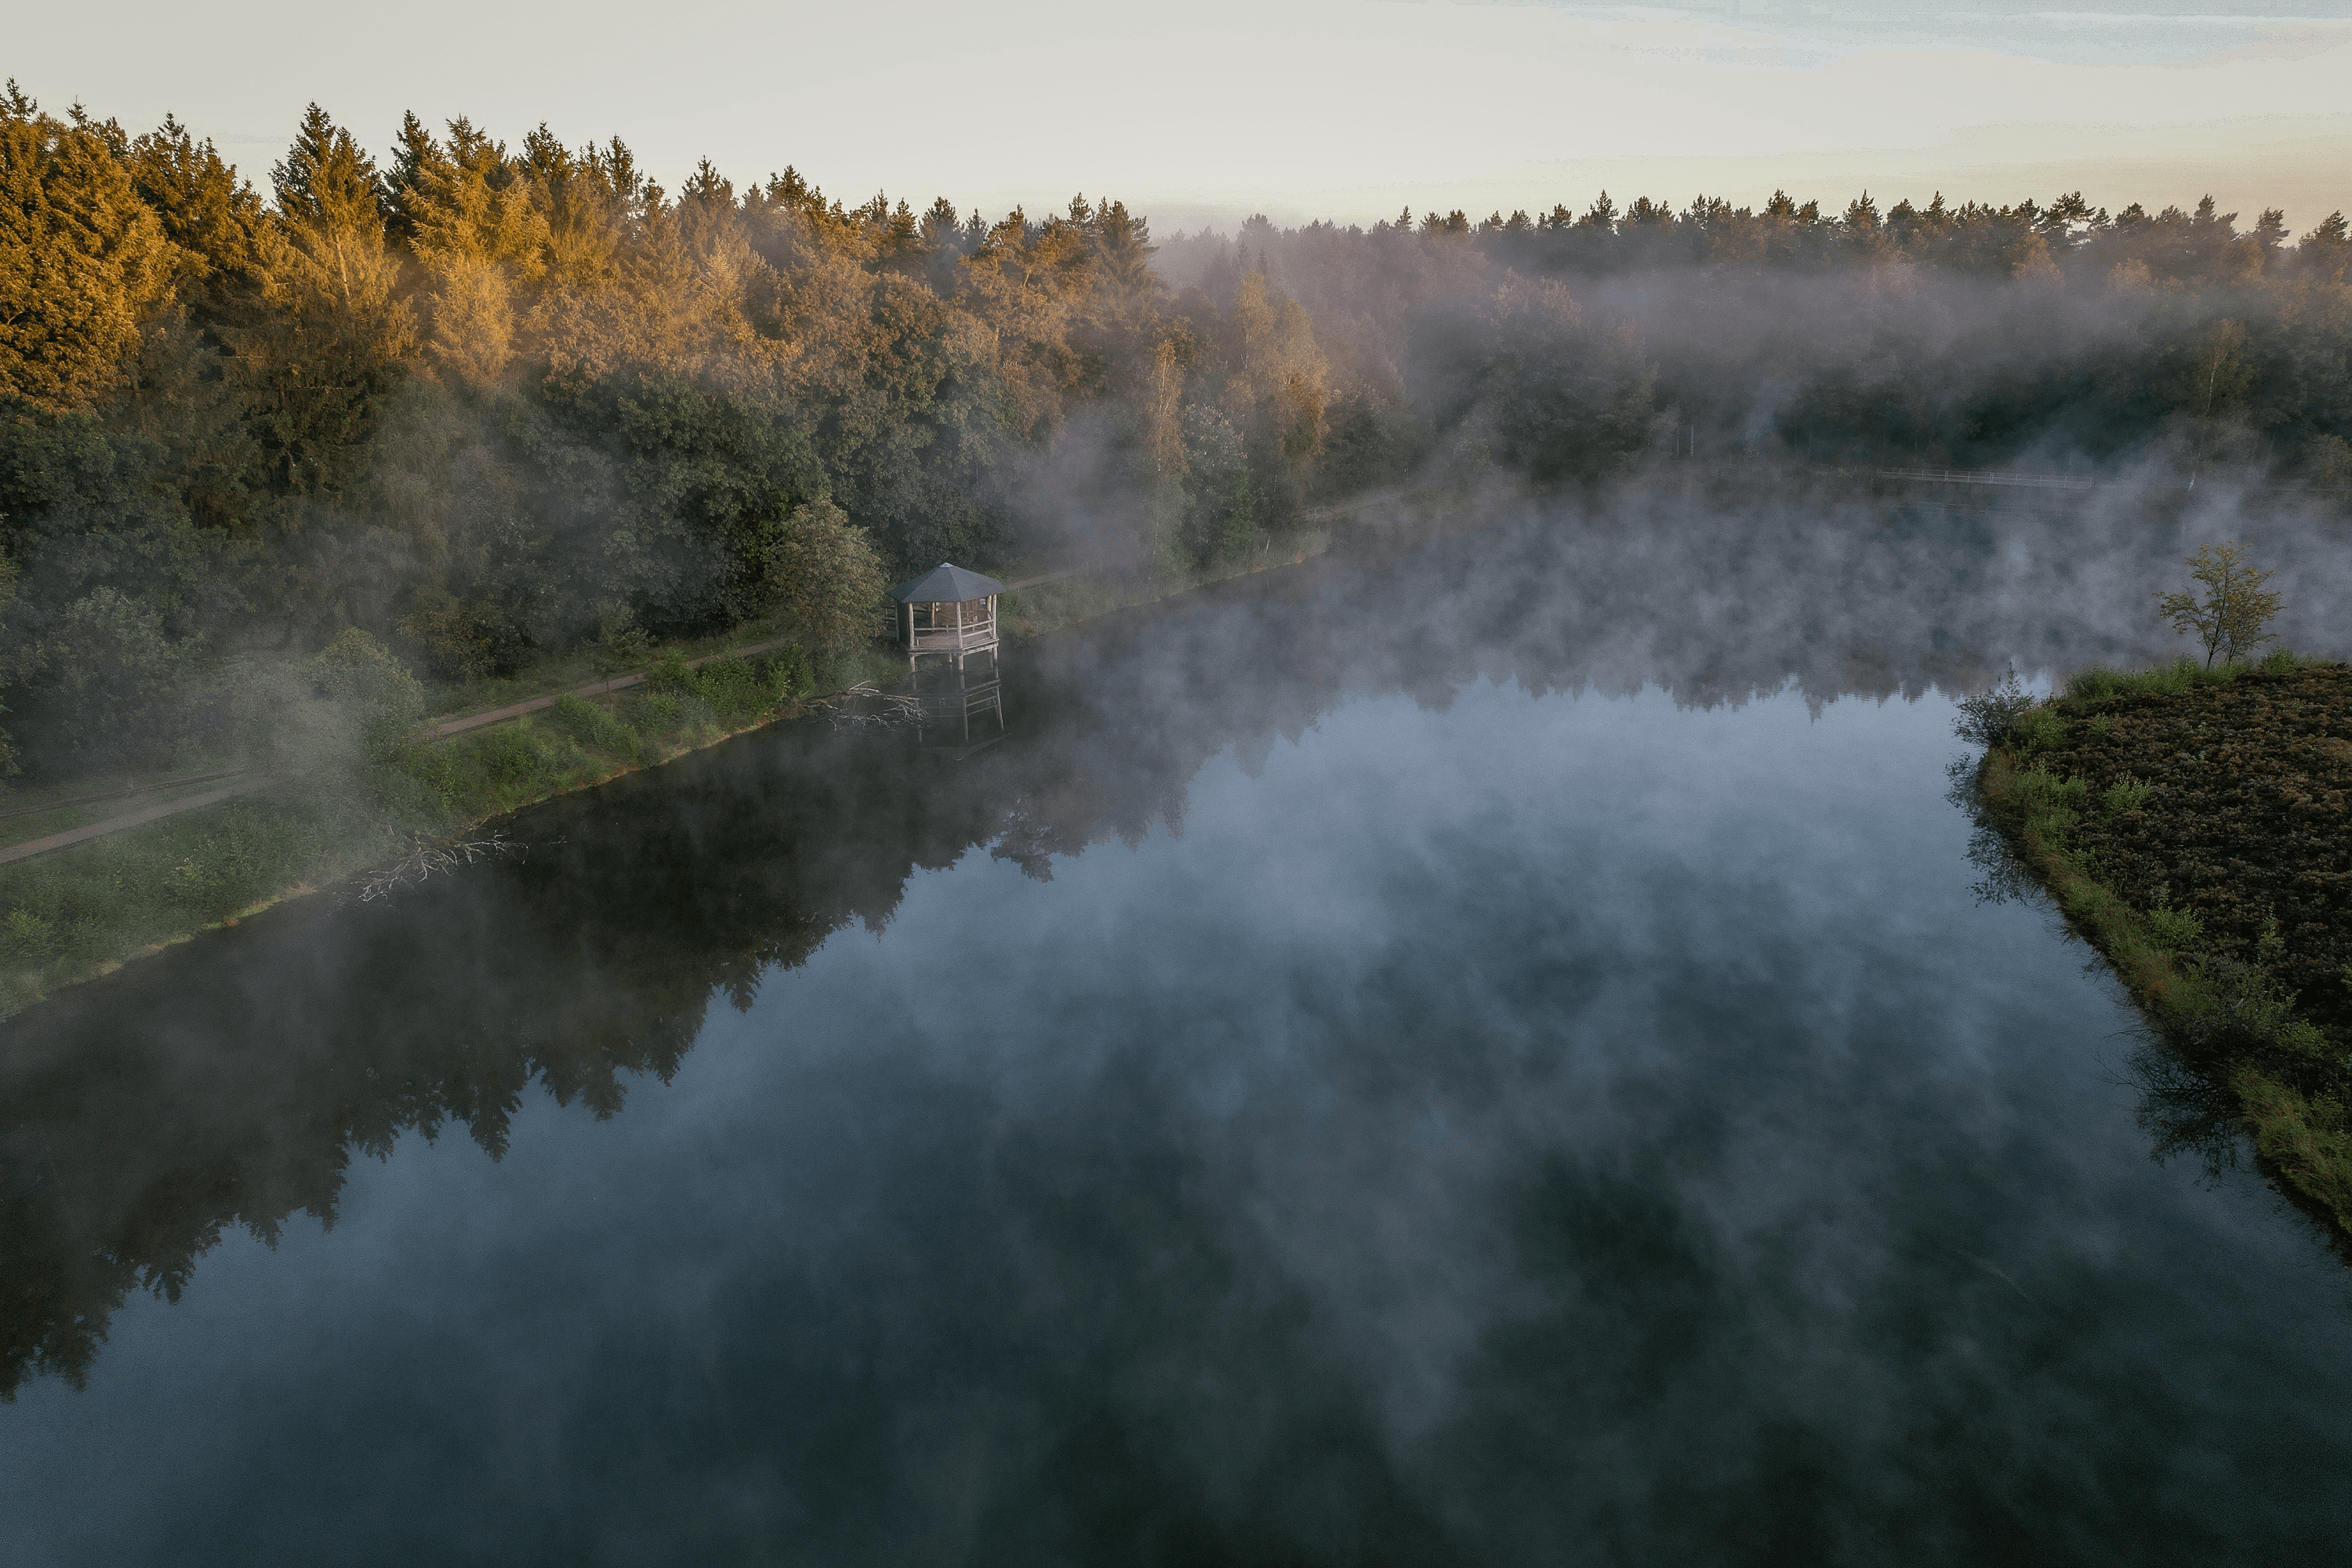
x: 1986, y: 477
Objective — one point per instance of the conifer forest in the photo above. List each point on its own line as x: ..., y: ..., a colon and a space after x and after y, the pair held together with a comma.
x: 481, y: 398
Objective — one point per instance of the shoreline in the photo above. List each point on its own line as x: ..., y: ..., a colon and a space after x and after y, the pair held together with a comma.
x: 2186, y: 872
x: 1058, y: 604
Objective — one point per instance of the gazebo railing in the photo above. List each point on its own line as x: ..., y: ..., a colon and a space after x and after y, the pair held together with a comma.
x: 951, y: 628
x: 966, y: 638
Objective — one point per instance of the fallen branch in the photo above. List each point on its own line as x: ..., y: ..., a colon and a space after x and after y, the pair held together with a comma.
x: 434, y: 854
x: 845, y: 709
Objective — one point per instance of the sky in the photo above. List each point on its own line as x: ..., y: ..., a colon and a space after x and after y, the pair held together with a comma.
x: 1347, y: 110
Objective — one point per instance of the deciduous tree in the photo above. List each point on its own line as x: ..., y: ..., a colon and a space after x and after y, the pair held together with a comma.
x: 2232, y: 620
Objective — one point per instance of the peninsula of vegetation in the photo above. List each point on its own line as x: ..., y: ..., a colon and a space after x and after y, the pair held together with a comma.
x: 2191, y: 822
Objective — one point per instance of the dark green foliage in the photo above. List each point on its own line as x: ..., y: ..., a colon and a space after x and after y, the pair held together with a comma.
x: 1987, y: 718
x: 703, y: 481
x: 113, y: 583
x: 594, y: 729
x: 2244, y: 1015
x: 2174, y: 930
x: 2039, y: 730
x: 1373, y: 442
x: 2127, y: 794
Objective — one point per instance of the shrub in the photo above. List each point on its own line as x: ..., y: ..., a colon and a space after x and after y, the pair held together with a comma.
x: 2038, y: 789
x: 466, y: 639
x: 732, y: 692
x: 2053, y: 824
x: 511, y: 753
x: 115, y: 680
x: 825, y: 576
x: 360, y: 673
x: 594, y: 727
x: 2127, y: 794
x: 789, y: 675
x: 1989, y: 717
x: 2244, y: 1015
x: 2039, y: 730
x: 673, y: 714
x: 2172, y: 929
x: 25, y: 935
x: 670, y: 672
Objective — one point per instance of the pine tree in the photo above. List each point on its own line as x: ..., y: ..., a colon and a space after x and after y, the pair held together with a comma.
x: 478, y: 234
x: 83, y: 258
x: 211, y: 217
x: 328, y: 338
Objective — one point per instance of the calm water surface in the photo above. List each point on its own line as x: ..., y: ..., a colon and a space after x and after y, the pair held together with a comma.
x: 1339, y: 1083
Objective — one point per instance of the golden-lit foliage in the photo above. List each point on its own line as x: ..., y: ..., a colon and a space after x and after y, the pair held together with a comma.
x: 83, y: 258
x: 484, y: 400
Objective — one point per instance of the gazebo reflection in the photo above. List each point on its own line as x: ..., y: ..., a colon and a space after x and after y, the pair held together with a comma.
x: 959, y: 698
x: 958, y: 706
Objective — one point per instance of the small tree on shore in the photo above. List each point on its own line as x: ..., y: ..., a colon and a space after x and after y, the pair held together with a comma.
x: 2234, y: 618
x: 825, y: 577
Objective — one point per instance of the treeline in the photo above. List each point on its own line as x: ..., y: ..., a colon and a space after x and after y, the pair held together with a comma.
x: 483, y: 400
x: 487, y: 402
x: 1963, y: 336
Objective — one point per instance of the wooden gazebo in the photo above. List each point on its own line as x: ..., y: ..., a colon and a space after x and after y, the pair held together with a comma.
x: 948, y: 610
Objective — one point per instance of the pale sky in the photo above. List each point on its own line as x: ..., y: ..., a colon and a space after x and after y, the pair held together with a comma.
x: 1342, y: 108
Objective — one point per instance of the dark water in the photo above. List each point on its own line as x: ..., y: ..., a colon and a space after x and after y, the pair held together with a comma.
x: 1463, y: 1054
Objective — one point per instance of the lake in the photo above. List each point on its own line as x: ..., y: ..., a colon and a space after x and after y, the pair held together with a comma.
x: 1487, y: 1046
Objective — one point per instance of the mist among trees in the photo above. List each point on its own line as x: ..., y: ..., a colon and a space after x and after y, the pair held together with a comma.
x: 485, y: 400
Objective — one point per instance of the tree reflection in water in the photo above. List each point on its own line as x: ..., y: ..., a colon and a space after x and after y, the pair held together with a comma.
x: 231, y: 1080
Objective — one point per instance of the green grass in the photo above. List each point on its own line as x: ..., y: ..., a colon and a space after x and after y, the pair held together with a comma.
x: 77, y: 912
x: 39, y: 823
x: 1050, y: 607
x: 2087, y: 687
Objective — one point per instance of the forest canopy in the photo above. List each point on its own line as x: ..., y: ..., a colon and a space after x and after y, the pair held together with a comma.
x: 482, y: 400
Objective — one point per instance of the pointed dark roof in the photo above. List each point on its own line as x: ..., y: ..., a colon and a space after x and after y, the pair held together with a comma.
x: 946, y: 585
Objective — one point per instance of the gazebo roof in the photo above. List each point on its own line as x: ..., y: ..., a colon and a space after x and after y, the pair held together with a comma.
x: 946, y: 585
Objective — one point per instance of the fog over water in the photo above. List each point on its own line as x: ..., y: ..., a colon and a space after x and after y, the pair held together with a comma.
x: 1481, y: 1047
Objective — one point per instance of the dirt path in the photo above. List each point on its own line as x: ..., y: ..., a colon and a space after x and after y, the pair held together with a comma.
x: 139, y: 818
x: 32, y: 846
x: 441, y: 731
x: 595, y: 688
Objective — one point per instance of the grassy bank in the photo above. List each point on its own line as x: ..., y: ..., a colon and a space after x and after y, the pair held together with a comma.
x: 2191, y: 825
x: 83, y: 912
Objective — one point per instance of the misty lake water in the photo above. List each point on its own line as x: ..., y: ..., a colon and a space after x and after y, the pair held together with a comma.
x: 1462, y: 1054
